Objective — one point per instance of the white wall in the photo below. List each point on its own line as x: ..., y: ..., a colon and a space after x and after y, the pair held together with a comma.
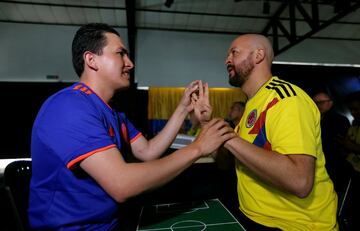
x: 323, y: 51
x: 31, y: 52
x: 176, y: 58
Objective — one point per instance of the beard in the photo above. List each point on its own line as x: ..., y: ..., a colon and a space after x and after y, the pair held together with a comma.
x: 242, y: 72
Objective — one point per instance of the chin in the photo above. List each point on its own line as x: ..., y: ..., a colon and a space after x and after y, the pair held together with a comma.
x: 125, y: 86
x: 122, y: 85
x: 235, y: 82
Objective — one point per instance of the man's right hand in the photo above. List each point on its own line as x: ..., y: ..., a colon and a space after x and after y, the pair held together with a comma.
x: 213, y: 135
x: 201, y: 103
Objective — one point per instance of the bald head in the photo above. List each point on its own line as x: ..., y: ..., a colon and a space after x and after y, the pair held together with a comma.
x: 249, y: 58
x: 256, y: 41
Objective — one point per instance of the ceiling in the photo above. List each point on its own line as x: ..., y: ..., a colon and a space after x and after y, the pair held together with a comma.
x: 285, y: 22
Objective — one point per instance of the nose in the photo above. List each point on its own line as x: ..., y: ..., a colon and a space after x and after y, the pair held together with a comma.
x: 129, y: 63
x: 227, y: 59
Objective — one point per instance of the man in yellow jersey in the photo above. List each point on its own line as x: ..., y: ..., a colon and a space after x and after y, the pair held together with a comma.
x: 280, y: 165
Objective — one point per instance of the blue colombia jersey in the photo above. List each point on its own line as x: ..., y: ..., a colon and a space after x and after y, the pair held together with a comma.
x: 72, y: 125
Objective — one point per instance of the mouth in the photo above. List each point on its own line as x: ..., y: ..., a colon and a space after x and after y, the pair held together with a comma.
x: 126, y: 74
x: 230, y: 70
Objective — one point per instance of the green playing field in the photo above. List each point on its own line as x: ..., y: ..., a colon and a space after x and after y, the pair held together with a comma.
x: 209, y: 215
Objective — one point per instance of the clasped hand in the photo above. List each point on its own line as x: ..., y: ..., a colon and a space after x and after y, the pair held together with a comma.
x: 214, y: 132
x: 196, y: 100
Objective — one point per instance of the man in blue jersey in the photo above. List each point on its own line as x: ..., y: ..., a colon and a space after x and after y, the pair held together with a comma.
x: 78, y: 141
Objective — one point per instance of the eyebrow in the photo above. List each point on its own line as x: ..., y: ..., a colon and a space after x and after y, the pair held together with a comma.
x: 123, y: 49
x: 232, y: 49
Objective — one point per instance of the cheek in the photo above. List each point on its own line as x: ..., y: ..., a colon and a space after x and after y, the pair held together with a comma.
x: 107, y: 63
x: 114, y: 62
x: 237, y: 66
x: 237, y: 62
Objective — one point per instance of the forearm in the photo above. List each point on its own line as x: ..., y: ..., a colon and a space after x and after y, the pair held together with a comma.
x: 141, y: 177
x: 161, y: 142
x: 277, y: 169
x: 122, y: 180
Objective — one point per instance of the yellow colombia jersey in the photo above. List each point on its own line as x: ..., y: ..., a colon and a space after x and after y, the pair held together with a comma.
x: 283, y: 118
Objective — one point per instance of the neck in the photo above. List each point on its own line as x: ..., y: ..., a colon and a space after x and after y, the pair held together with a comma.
x: 254, y: 82
x: 98, y: 87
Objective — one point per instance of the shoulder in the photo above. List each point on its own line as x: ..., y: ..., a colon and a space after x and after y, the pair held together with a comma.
x: 281, y: 88
x: 289, y: 93
x: 67, y: 102
x: 290, y: 100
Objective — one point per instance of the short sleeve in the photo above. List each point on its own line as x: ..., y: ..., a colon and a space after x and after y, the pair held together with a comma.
x: 291, y: 127
x: 128, y: 129
x: 73, y: 127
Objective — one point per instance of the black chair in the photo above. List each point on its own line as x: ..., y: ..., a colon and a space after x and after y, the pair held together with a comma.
x: 17, y: 176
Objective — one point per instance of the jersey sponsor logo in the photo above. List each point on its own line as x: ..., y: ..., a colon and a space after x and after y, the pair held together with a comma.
x: 251, y: 118
x: 282, y: 88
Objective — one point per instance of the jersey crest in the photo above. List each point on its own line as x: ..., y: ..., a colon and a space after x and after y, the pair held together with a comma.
x: 251, y: 118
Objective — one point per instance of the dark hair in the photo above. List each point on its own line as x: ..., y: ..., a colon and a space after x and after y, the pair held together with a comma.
x: 89, y: 37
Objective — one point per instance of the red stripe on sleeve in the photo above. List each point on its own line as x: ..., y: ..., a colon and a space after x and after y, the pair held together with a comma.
x: 72, y: 164
x: 136, y: 137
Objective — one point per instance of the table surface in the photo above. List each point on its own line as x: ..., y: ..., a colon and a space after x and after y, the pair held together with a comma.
x: 209, y: 215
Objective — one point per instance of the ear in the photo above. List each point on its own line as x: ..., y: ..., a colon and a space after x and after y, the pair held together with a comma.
x: 259, y: 55
x: 90, y: 60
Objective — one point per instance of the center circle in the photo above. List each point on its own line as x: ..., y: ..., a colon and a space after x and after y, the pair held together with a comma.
x: 194, y: 225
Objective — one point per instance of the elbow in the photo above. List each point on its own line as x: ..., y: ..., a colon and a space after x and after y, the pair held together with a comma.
x: 145, y: 155
x: 122, y: 194
x: 303, y: 188
x: 303, y: 193
x: 120, y: 197
x: 146, y: 158
x: 125, y: 193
